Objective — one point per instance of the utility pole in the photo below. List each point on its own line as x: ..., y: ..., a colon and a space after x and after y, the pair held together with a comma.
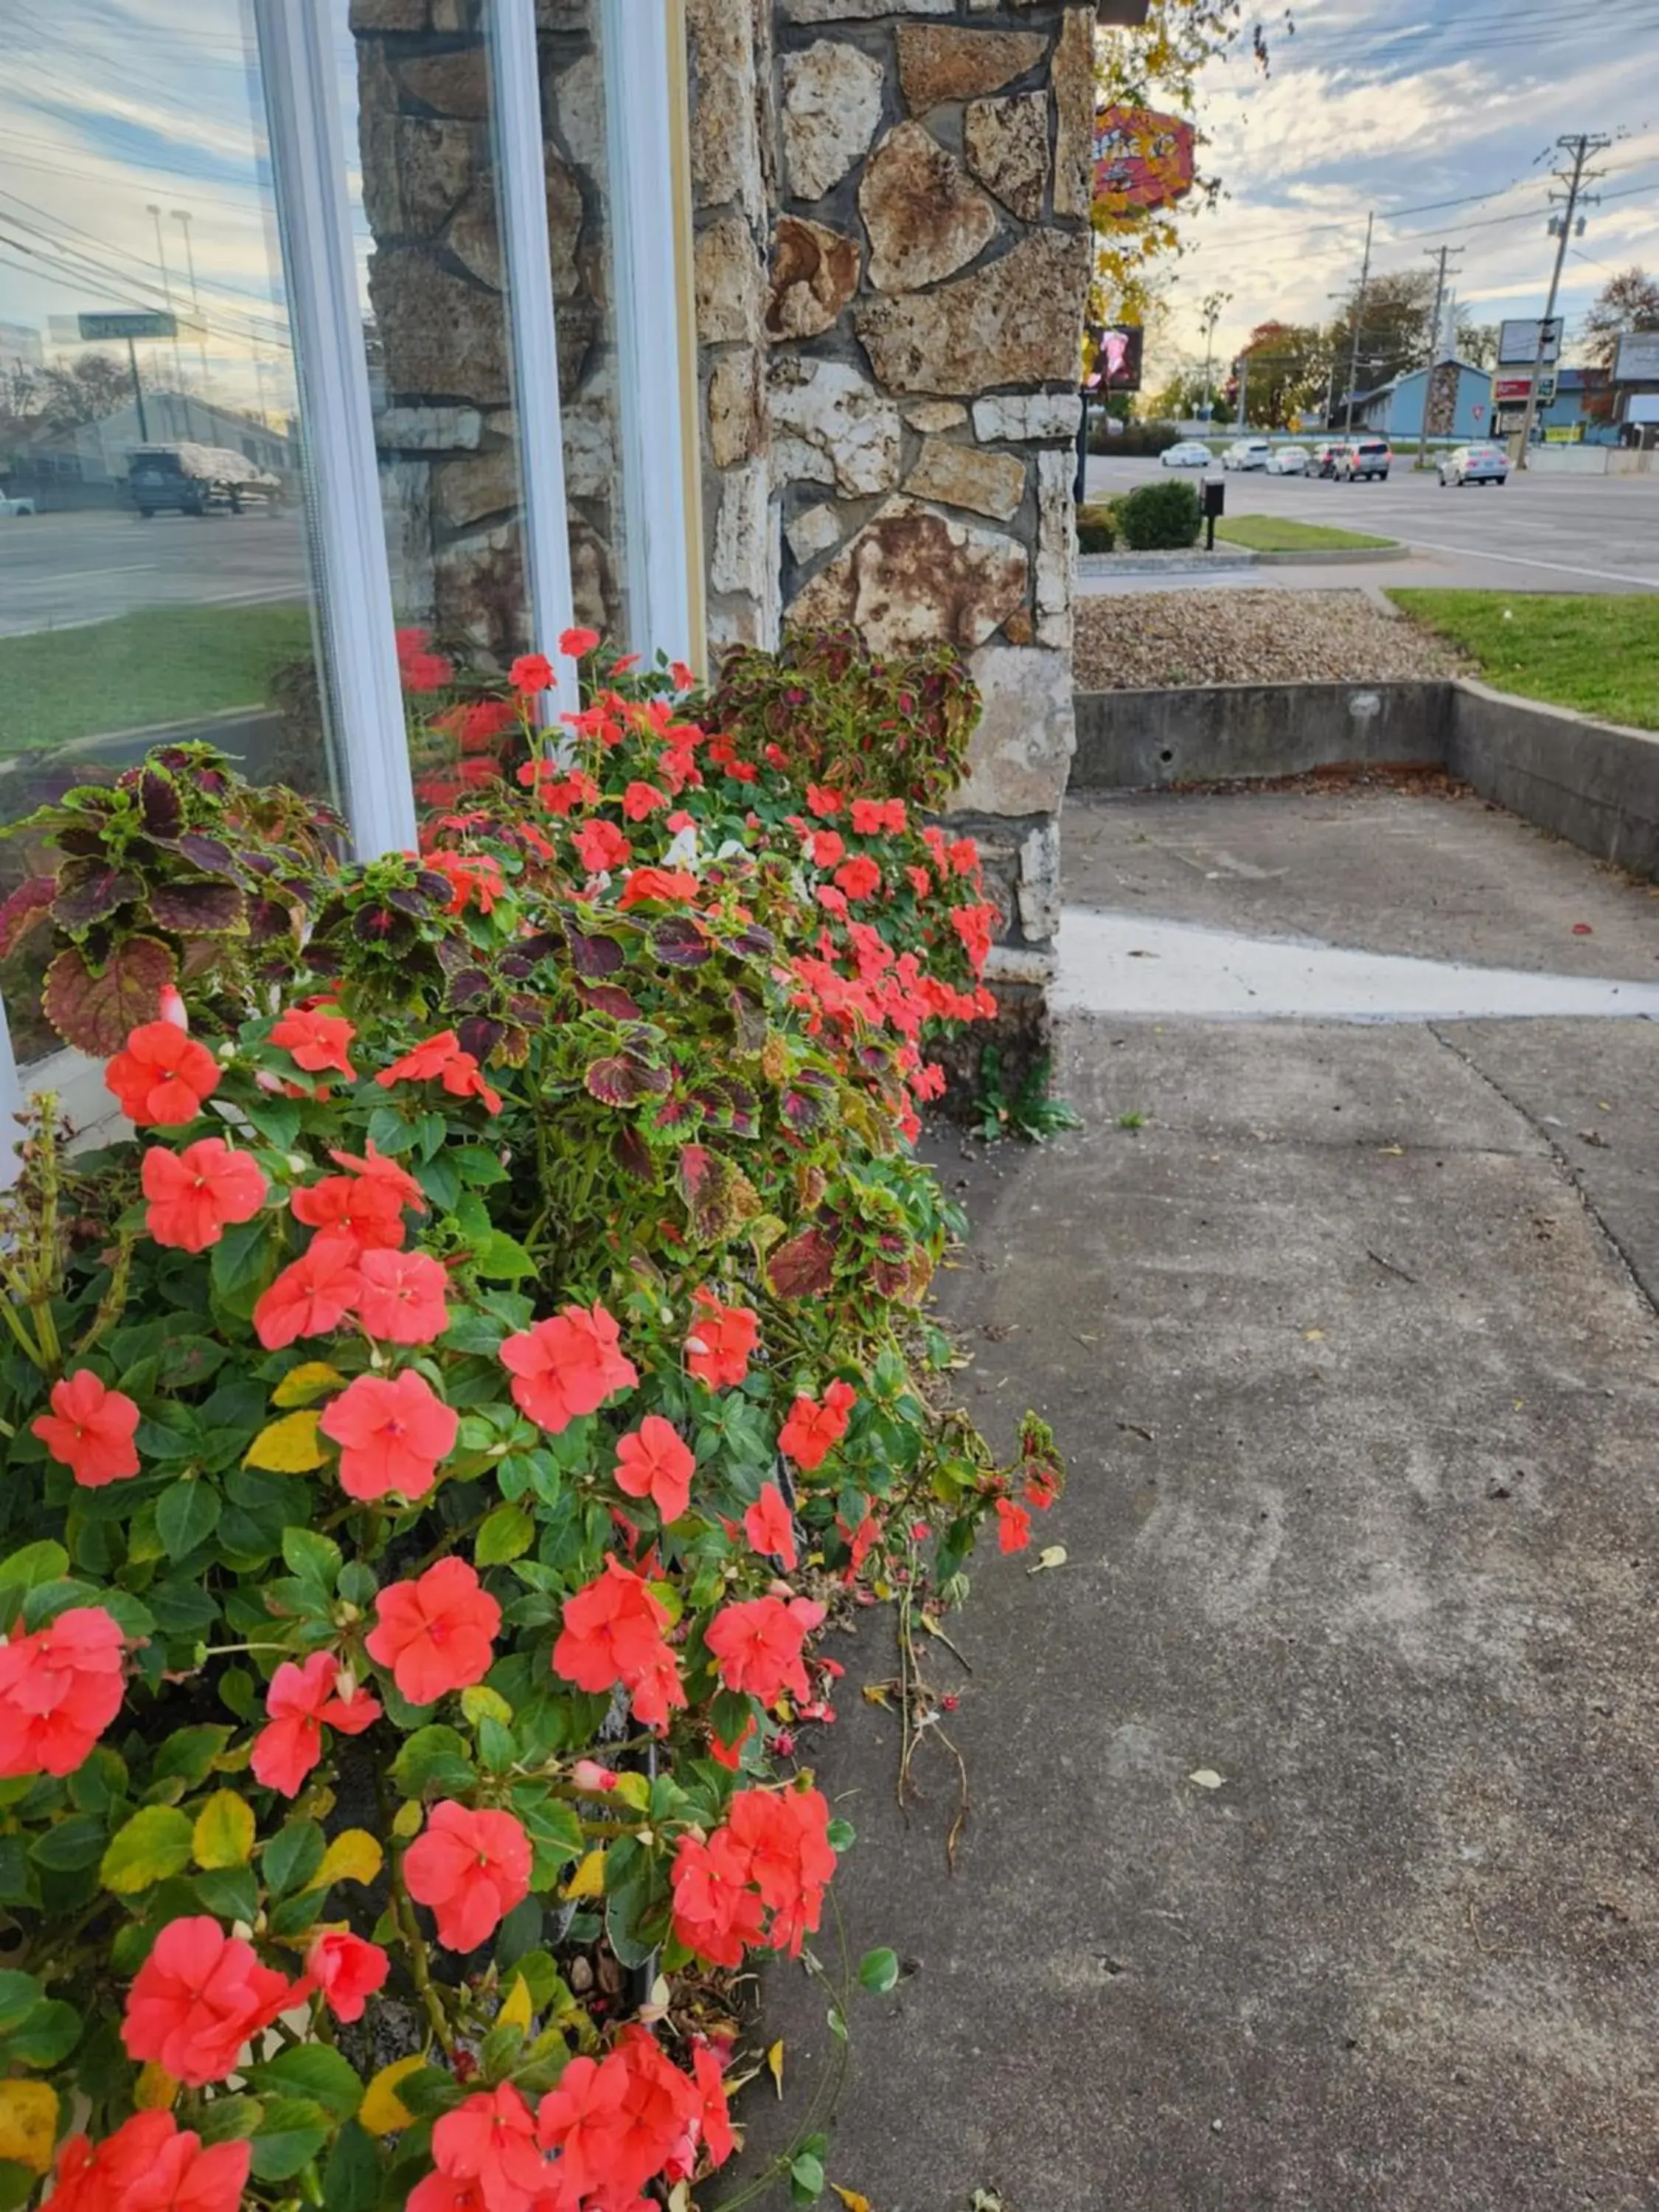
x: 155, y: 214
x: 1359, y: 318
x: 1242, y: 369
x: 181, y: 216
x: 1582, y: 149
x: 1440, y: 254
x: 1213, y: 303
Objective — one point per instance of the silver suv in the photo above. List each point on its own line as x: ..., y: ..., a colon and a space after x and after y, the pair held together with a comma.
x: 1362, y: 457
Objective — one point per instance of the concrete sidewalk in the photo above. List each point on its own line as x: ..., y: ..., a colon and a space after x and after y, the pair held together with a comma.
x: 1351, y: 1352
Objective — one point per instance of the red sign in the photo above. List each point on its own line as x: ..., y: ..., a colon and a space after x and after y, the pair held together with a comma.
x: 1142, y: 160
x: 1511, y: 389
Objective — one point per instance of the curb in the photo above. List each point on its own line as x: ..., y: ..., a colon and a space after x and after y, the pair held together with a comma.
x: 1164, y: 564
x: 1336, y: 556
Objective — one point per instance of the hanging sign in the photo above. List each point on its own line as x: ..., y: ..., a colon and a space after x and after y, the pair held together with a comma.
x: 1142, y: 160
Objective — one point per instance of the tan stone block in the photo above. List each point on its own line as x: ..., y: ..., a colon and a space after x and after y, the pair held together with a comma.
x: 451, y: 84
x: 738, y: 562
x: 853, y: 11
x: 814, y: 530
x: 438, y: 159
x: 831, y: 105
x: 1007, y: 142
x: 574, y: 97
x: 725, y: 156
x: 963, y: 476
x: 1020, y: 754
x: 1074, y: 108
x: 1018, y: 320
x: 737, y: 408
x: 815, y: 272
x: 830, y: 425
x: 387, y: 16
x: 1056, y: 550
x: 938, y: 62
x: 931, y: 415
x: 465, y: 491
x: 912, y: 577
x: 444, y: 337
x: 926, y: 216
x: 729, y: 284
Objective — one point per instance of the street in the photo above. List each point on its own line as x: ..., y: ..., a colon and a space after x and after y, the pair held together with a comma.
x: 1538, y: 533
x: 57, y: 570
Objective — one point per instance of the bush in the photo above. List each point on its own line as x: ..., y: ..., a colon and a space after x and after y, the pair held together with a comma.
x: 1096, y: 530
x: 1161, y: 516
x: 432, y: 1441
x: 1135, y: 441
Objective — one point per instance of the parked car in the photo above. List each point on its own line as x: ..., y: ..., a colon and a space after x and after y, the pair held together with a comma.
x: 1474, y: 465
x: 1324, y: 463
x: 193, y: 479
x: 1362, y: 457
x: 1288, y: 461
x: 1190, y: 453
x: 1246, y: 453
x: 21, y: 505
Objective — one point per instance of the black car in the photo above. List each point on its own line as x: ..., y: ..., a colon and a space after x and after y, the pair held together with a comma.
x: 193, y: 479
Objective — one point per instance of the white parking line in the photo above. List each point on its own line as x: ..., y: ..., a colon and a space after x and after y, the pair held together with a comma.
x: 1518, y: 561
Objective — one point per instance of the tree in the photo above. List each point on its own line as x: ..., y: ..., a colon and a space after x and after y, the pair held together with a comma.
x: 1477, y: 342
x: 1394, y: 330
x: 87, y: 390
x: 1289, y: 368
x: 1628, y: 301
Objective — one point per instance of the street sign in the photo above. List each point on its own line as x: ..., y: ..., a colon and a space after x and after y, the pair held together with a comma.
x: 1638, y: 358
x: 1511, y: 390
x: 1479, y: 412
x: 1517, y: 342
x: 1508, y: 419
x: 146, y: 323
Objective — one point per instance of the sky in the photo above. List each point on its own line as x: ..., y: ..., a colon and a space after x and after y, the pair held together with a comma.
x: 1369, y: 106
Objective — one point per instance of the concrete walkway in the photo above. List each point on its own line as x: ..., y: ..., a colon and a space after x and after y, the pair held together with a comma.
x: 1354, y: 1351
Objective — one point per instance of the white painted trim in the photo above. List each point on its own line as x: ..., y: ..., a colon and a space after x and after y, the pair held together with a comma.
x: 11, y: 1101
x: 343, y: 486
x: 646, y: 215
x: 521, y: 198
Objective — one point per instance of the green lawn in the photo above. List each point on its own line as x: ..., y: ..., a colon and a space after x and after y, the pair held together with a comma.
x: 1277, y: 533
x: 1598, y: 654
x: 166, y: 664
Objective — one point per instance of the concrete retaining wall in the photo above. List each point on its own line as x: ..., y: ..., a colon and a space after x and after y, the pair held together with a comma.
x: 1594, y: 783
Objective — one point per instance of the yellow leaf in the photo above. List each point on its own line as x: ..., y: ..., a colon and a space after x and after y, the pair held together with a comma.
x: 223, y: 1836
x: 353, y: 1856
x: 287, y: 1446
x: 28, y: 2124
x: 406, y: 1820
x: 851, y: 2198
x: 588, y: 1881
x: 1051, y: 1555
x: 480, y: 1703
x: 634, y: 1792
x: 875, y: 1693
x: 312, y: 1378
x: 382, y: 2111
x: 775, y: 2065
x: 154, y: 2089
x: 515, y: 2012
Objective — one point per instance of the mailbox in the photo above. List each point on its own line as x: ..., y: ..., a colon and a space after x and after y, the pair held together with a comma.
x: 1215, y: 496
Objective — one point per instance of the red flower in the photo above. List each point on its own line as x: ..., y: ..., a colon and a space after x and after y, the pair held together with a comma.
x: 965, y: 856
x: 90, y: 1430
x: 364, y: 1208
x: 757, y: 1645
x: 716, y: 1913
x: 791, y: 1858
x: 472, y: 1868
x: 653, y: 1462
x: 440, y: 1059
x: 194, y: 1195
x: 391, y: 1433
x: 316, y: 1041
x: 199, y: 1998
x: 641, y: 799
x: 616, y: 2123
x: 770, y: 1526
x: 613, y: 1632
x: 531, y: 672
x: 402, y: 1299
x: 348, y: 1971
x: 435, y: 1633
x: 600, y: 845
x: 313, y: 1295
x: 663, y: 883
x: 714, y: 2111
x: 60, y: 1687
x: 150, y: 2165
x: 859, y: 877
x: 418, y: 670
x: 577, y: 644
x: 567, y: 1366
x: 299, y: 1701
x: 474, y: 878
x: 824, y: 803
x: 680, y: 675
x: 374, y: 1167
x: 160, y: 1077
x: 489, y: 2141
x: 722, y: 1337
x: 812, y: 1430
x: 920, y: 882
x: 872, y: 816
x: 1013, y: 1526
x: 826, y: 847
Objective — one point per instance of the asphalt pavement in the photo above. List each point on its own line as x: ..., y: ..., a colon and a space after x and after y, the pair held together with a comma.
x: 59, y: 571
x: 1538, y: 533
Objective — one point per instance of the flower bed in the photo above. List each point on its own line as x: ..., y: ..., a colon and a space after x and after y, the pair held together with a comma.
x: 433, y: 1442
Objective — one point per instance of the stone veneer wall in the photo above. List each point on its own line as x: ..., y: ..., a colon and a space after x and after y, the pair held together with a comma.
x: 889, y: 397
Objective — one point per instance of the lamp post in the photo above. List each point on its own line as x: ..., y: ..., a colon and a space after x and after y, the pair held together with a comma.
x: 1213, y: 303
x: 155, y: 214
x: 181, y: 216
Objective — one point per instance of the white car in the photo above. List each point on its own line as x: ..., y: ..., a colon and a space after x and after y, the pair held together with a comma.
x: 1246, y: 453
x: 1190, y: 453
x: 17, y: 506
x: 1474, y: 465
x: 1288, y: 461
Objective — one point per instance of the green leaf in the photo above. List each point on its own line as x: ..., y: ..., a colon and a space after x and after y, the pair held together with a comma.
x: 191, y: 1751
x: 19, y: 1996
x: 351, y: 2179
x: 313, y: 2070
x: 434, y: 1758
x: 155, y: 1843
x: 479, y: 1165
x: 314, y: 1559
x: 242, y: 1255
x: 226, y: 2119
x: 48, y: 2035
x: 357, y: 1582
x: 506, y: 1533
x: 187, y: 1515
x: 879, y: 1970
x: 842, y: 1835
x: 73, y: 1843
x: 224, y: 1832
x: 502, y: 1258
x: 292, y: 2130
x: 292, y: 1856
x: 807, y: 2178
x: 44, y: 1562
x: 229, y: 1892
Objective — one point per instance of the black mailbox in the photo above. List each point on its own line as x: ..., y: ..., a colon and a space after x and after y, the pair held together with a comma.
x: 1215, y: 496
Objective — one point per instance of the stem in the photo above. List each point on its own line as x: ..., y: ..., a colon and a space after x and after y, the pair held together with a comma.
x: 420, y: 1966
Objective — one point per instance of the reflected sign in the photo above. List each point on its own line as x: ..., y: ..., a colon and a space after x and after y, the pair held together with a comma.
x: 1112, y: 357
x: 1142, y: 160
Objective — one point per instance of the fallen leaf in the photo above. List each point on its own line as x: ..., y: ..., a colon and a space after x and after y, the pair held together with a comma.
x: 1583, y: 929
x: 775, y: 2065
x: 1313, y: 1335
x: 851, y: 2198
x: 875, y: 1693
x: 1051, y: 1555
x: 1205, y: 1777
x: 1391, y: 1152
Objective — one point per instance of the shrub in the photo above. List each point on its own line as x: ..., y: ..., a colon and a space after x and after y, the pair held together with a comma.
x: 1096, y: 530
x: 432, y: 1441
x: 1161, y: 516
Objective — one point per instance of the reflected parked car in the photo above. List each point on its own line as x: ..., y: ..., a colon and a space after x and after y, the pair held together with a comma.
x: 21, y: 505
x: 1324, y: 463
x: 1474, y: 465
x: 194, y: 479
x: 1246, y: 453
x: 1190, y: 453
x: 1288, y: 461
x: 1361, y: 457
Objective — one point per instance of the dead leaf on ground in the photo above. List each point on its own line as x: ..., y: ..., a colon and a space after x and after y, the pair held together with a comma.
x: 775, y: 2065
x: 1205, y: 1777
x: 1051, y: 1555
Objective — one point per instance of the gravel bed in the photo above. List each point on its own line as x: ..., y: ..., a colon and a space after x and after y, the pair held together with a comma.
x: 1148, y: 639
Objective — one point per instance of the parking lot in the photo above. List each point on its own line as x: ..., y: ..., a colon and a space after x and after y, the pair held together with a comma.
x: 58, y: 570
x: 1538, y: 533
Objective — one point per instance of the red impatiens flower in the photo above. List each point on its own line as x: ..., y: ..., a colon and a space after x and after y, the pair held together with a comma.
x: 316, y: 1041
x: 366, y: 1209
x: 161, y: 1076
x: 488, y: 2145
x: 348, y: 1970
x: 770, y: 1527
x: 577, y: 643
x: 653, y: 1462
x: 419, y: 669
x: 716, y: 1913
x: 600, y: 845
x: 713, y: 2120
x: 374, y: 1167
x: 393, y: 1431
x: 859, y: 877
x: 150, y: 2164
x: 402, y: 1300
x: 472, y: 1868
x: 567, y: 1366
x: 60, y: 1687
x: 872, y: 816
x: 722, y: 1337
x: 813, y: 1430
x: 826, y: 847
x: 475, y: 879
x: 824, y: 803
x: 530, y: 673
x: 300, y: 1702
x: 313, y: 1295
x: 757, y: 1645
x: 965, y: 856
x: 616, y: 2122
x: 194, y: 1195
x: 663, y: 885
x: 440, y: 1059
x: 613, y: 1632
x: 642, y: 799
x: 1013, y: 1526
x: 436, y: 1632
x: 920, y: 882
x: 199, y: 1999
x: 786, y: 1834
x: 90, y: 1430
